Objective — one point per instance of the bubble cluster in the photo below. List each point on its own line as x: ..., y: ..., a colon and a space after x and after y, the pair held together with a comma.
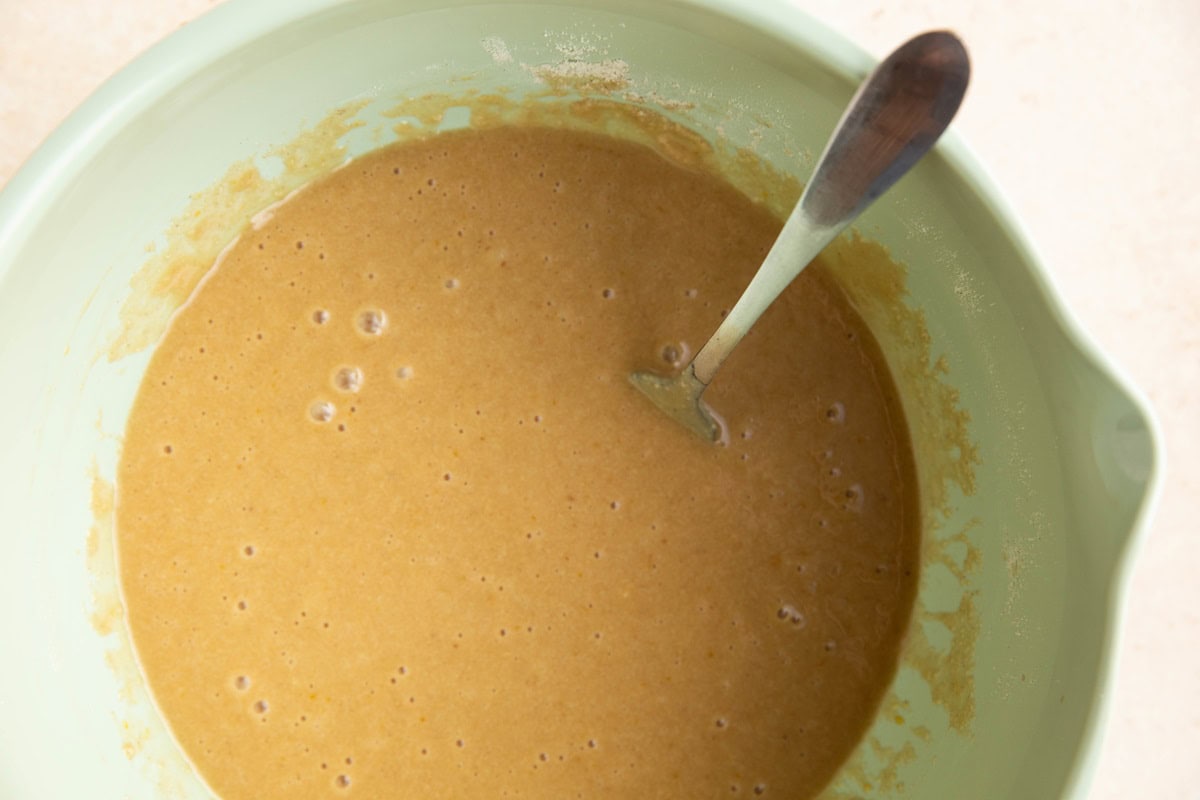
x: 789, y: 613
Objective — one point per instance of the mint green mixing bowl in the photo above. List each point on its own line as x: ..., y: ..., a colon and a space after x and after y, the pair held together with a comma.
x: 1068, y: 462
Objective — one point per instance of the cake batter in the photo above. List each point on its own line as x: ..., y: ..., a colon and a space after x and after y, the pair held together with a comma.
x: 392, y: 523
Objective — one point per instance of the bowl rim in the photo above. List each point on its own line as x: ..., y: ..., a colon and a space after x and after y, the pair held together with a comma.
x: 984, y: 186
x: 36, y: 184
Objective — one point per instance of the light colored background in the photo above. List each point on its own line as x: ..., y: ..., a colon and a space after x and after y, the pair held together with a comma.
x: 1087, y: 114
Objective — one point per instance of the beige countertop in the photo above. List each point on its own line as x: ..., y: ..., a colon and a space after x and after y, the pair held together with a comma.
x: 1087, y: 114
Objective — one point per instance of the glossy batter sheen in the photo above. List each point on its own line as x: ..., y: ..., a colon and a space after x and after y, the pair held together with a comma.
x: 392, y: 523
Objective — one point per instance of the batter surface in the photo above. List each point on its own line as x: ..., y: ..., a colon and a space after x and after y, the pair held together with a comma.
x: 393, y: 524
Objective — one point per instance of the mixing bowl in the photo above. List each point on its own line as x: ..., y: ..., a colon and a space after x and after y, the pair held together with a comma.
x: 1001, y: 692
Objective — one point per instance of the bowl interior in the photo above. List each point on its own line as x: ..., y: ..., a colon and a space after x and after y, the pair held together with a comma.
x: 1066, y: 455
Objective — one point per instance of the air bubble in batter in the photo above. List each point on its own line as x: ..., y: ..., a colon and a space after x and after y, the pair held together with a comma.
x: 854, y: 498
x: 321, y: 411
x: 675, y: 353
x: 371, y: 322
x: 348, y: 379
